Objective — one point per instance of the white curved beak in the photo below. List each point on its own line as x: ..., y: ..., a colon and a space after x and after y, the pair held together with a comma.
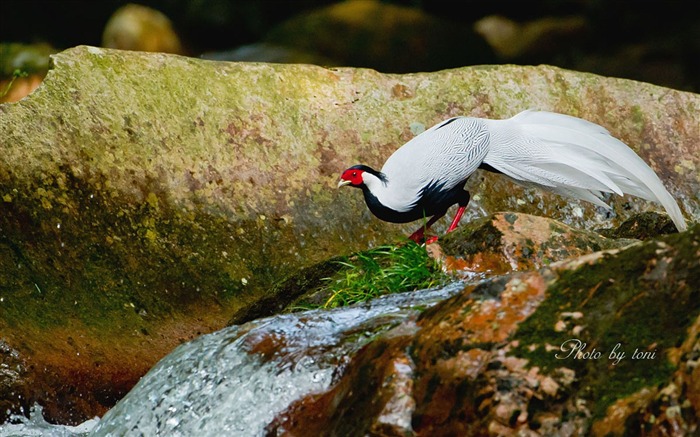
x: 343, y: 182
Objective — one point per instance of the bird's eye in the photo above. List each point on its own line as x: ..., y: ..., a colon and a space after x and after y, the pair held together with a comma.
x: 354, y: 174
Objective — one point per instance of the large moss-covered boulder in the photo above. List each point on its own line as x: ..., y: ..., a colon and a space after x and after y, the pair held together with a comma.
x: 145, y: 198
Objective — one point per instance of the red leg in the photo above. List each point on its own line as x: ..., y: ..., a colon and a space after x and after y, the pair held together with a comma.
x: 419, y: 234
x: 458, y: 217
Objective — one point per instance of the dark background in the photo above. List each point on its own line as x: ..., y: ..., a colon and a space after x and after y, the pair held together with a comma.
x: 658, y: 33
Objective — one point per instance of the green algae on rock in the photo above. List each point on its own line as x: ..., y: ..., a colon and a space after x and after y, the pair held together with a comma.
x: 145, y: 198
x: 641, y: 226
x: 485, y: 360
x: 638, y: 302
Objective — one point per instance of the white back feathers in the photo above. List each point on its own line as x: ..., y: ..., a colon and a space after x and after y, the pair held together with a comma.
x: 573, y: 157
x: 447, y: 153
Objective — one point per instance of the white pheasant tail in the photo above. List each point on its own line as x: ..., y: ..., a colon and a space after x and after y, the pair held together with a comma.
x: 573, y: 157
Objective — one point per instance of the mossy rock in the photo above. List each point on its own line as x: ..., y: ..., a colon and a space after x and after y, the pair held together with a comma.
x: 146, y: 198
x: 494, y: 358
x: 642, y: 227
x: 511, y: 241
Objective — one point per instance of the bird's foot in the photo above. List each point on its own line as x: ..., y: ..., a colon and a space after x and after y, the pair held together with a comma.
x: 417, y: 236
x: 420, y: 238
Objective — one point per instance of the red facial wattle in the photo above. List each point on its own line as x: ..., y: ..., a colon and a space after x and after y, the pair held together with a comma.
x: 352, y: 177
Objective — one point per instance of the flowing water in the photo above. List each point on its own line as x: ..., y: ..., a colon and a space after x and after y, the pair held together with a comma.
x: 235, y: 381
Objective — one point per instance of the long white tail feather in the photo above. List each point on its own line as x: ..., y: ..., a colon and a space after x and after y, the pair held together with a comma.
x: 577, y: 193
x: 573, y: 157
x: 583, y: 194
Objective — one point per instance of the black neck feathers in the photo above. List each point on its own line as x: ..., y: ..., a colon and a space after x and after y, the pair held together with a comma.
x: 371, y: 171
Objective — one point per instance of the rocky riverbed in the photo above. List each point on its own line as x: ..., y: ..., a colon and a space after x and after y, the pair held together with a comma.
x: 148, y: 199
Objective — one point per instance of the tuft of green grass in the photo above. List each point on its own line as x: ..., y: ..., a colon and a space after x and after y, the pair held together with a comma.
x: 382, y: 270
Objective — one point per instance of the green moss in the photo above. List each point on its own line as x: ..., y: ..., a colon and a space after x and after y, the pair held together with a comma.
x: 109, y: 271
x: 305, y: 289
x: 475, y: 237
x: 642, y: 227
x: 643, y: 299
x: 638, y: 115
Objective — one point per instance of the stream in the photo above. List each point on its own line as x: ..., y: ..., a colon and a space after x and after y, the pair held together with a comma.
x: 236, y: 380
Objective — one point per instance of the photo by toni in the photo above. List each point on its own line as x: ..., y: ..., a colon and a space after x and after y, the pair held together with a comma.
x: 575, y: 349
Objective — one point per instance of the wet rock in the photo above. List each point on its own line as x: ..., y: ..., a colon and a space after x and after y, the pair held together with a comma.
x: 303, y: 287
x: 511, y: 241
x: 14, y: 388
x: 490, y: 361
x: 382, y: 405
x: 642, y: 227
x: 146, y: 198
x: 668, y: 409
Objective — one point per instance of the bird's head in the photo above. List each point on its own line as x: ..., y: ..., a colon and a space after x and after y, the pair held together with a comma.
x: 354, y: 176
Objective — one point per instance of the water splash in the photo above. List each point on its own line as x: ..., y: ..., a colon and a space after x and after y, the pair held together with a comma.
x: 35, y: 425
x: 235, y: 381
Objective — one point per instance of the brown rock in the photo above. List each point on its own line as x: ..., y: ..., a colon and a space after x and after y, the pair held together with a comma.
x: 508, y: 241
x: 145, y: 198
x: 480, y: 365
